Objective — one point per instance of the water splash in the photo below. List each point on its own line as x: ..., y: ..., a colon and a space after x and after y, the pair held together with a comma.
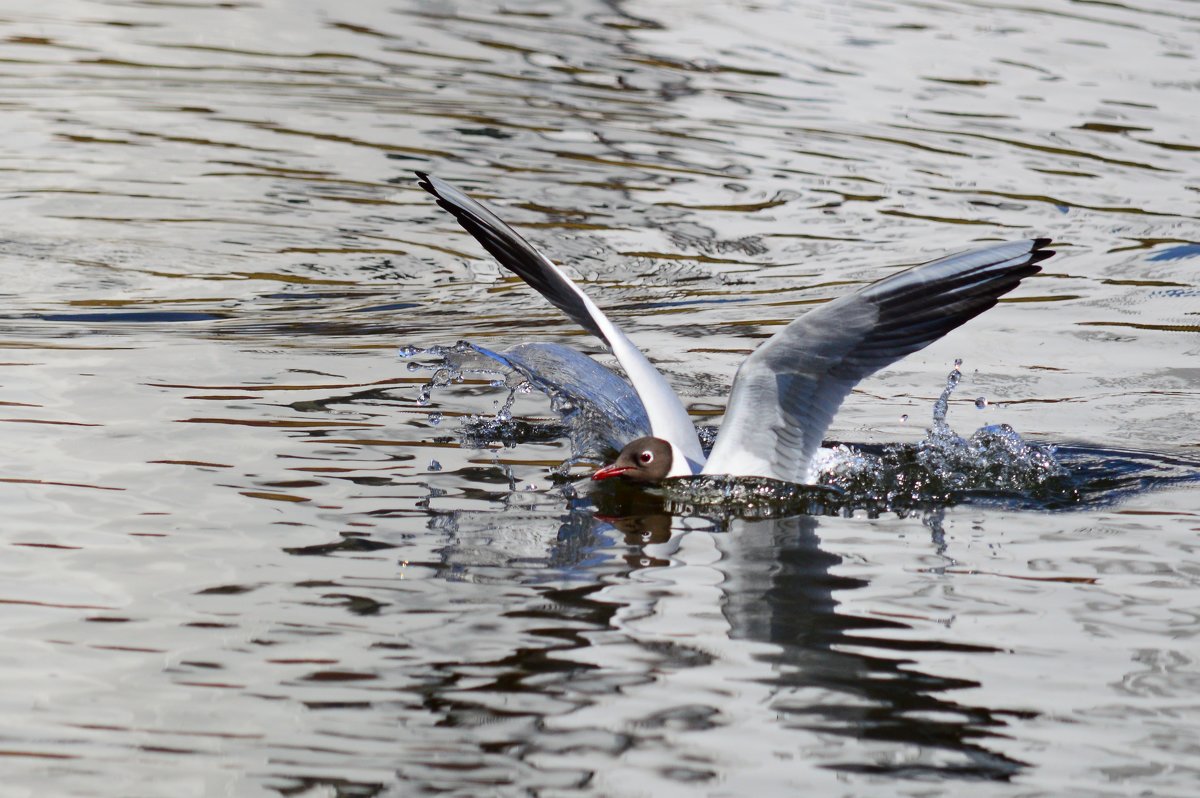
x: 945, y: 467
x: 454, y: 365
x: 942, y: 405
x: 750, y: 497
x: 994, y: 463
x: 942, y: 469
x: 598, y: 411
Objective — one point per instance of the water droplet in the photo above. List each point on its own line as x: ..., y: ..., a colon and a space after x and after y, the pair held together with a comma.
x: 434, y: 419
x: 957, y: 363
x: 904, y: 418
x: 434, y: 465
x: 414, y: 366
x: 408, y: 351
x: 981, y: 403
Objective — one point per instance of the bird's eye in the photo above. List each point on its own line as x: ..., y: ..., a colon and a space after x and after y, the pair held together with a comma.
x: 646, y: 458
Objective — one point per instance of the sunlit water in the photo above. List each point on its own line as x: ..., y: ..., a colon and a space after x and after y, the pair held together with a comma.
x: 247, y: 554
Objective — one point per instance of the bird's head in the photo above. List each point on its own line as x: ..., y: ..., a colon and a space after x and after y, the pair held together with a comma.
x: 646, y: 460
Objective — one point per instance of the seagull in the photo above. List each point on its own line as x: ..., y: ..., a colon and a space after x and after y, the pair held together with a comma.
x: 786, y: 392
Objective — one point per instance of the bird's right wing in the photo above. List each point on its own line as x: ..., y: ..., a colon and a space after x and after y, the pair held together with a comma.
x: 786, y: 393
x: 668, y: 417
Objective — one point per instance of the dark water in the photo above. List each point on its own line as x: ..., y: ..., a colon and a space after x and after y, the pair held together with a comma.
x: 241, y: 559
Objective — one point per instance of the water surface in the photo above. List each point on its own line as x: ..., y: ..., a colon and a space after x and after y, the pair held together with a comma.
x: 242, y: 559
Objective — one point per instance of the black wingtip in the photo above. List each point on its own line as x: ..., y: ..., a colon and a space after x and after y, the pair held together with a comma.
x: 511, y: 250
x: 1040, y: 254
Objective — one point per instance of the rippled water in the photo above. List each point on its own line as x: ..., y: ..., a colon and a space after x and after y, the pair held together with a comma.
x: 243, y: 559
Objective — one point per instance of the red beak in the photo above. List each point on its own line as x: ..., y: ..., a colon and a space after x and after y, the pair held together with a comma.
x: 611, y: 471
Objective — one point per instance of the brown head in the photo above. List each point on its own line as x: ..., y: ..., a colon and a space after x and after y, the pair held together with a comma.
x: 643, y: 460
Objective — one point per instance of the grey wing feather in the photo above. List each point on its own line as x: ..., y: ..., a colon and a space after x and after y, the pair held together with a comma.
x: 785, y: 395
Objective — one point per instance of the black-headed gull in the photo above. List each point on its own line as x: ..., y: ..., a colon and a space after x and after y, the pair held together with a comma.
x: 787, y: 391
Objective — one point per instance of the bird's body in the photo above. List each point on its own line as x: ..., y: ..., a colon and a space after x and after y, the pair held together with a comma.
x: 787, y: 391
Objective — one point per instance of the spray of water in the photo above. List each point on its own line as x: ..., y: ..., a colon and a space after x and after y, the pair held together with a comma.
x: 597, y: 411
x: 943, y: 468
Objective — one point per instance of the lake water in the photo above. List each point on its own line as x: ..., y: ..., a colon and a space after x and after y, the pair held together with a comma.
x: 241, y: 559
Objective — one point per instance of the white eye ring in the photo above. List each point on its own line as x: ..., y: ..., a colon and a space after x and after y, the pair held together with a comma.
x: 646, y: 458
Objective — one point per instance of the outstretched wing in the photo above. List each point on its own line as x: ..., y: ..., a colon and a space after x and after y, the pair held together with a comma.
x: 786, y: 393
x: 668, y: 417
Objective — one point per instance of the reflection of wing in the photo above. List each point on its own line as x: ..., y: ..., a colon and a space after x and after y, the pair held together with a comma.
x: 562, y: 370
x: 668, y: 418
x: 786, y: 393
x: 781, y: 587
x: 779, y: 584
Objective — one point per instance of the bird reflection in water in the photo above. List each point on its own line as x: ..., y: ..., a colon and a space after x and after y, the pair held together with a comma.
x: 778, y: 587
